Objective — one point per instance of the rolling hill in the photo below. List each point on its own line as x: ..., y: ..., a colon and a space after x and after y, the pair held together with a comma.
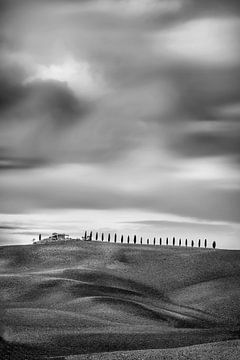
x: 68, y: 299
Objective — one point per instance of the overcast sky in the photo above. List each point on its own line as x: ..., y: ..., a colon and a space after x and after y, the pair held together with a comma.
x: 120, y: 114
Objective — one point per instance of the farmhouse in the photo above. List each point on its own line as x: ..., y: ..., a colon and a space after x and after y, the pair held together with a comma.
x: 54, y: 237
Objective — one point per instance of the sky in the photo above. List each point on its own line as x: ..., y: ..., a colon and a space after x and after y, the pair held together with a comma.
x: 120, y: 115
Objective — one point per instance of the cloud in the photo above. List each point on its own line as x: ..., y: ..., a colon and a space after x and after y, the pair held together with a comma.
x: 120, y: 105
x: 203, y: 41
x: 8, y: 227
x: 38, y: 99
x: 75, y: 187
x: 140, y: 7
x: 213, y: 7
x: 34, y: 116
x: 9, y: 163
x: 165, y: 219
x: 202, y: 143
x: 229, y: 111
x: 205, y: 85
x: 77, y: 75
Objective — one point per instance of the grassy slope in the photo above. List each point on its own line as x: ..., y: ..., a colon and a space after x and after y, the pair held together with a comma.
x: 80, y: 297
x: 227, y: 350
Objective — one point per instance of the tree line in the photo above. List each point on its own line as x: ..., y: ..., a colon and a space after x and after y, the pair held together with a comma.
x: 160, y: 241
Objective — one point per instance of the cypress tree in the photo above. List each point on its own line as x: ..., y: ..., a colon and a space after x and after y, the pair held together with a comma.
x: 128, y: 239
x: 109, y: 237
x: 192, y: 243
x: 135, y: 239
x: 121, y: 239
x: 141, y: 241
x: 199, y: 243
x: 90, y: 236
x: 115, y: 238
x: 180, y: 242
x: 167, y: 241
x: 214, y: 245
x: 85, y: 235
x: 205, y: 243
x: 102, y: 236
x: 186, y: 242
x: 154, y: 241
x: 148, y: 241
x: 96, y: 236
x: 173, y: 241
x: 160, y: 241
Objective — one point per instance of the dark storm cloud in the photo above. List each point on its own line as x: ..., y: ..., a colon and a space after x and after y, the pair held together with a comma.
x: 8, y: 162
x: 214, y: 7
x: 12, y: 90
x: 32, y: 115
x: 40, y: 100
x: 8, y: 227
x: 55, y: 100
x: 50, y: 105
x: 210, y: 144
x: 203, y: 90
x: 206, y: 128
x: 204, y: 96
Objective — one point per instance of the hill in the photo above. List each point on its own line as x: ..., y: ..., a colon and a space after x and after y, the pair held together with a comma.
x: 79, y: 297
